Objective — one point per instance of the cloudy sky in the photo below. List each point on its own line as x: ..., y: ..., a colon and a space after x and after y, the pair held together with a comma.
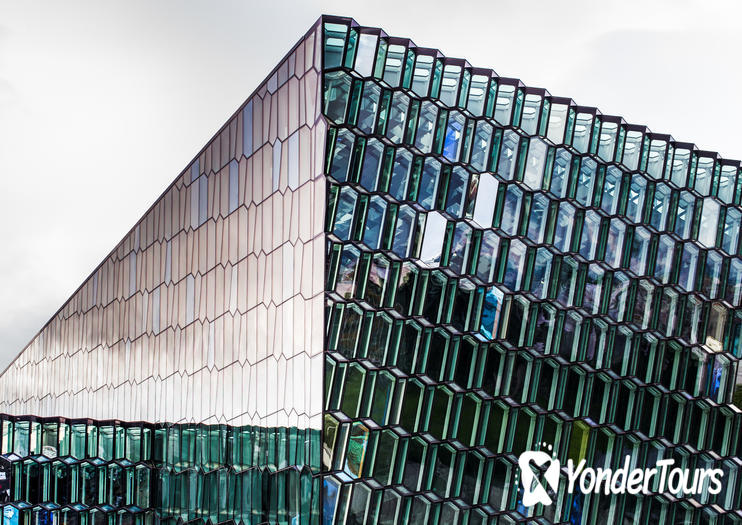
x: 102, y: 104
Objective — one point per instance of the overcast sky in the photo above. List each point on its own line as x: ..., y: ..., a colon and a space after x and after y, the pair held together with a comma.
x: 102, y: 104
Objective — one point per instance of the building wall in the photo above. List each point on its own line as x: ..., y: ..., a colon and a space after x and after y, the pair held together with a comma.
x: 210, y: 309
x: 509, y: 271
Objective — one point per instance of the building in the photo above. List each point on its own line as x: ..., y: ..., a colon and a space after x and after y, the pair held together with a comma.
x: 385, y: 278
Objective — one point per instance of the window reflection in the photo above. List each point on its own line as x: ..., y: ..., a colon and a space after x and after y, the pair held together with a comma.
x: 535, y: 164
x: 684, y: 215
x: 341, y: 157
x: 366, y: 54
x: 531, y: 113
x: 403, y: 231
x: 369, y: 107
x: 660, y: 206
x: 454, y: 135
x: 541, y: 273
x: 560, y: 176
x: 400, y: 174
x: 504, y: 104
x: 589, y: 239
x: 344, y: 214
x: 491, y: 313
x: 639, y: 251
x: 730, y: 237
x: 484, y: 207
x: 557, y: 123
x: 429, y: 183
x: 481, y: 146
x: 637, y: 192
x: 460, y: 248
x: 488, y: 256
x: 680, y: 161
x: 688, y: 265
x: 395, y: 127
x: 565, y: 223
x: 704, y: 170
x: 582, y: 132
x: 664, y: 259
x: 450, y: 84
x: 709, y: 222
x: 585, y: 181
x: 432, y: 245
x: 511, y: 209
x: 395, y: 57
x: 632, y: 149
x: 607, y: 141
x: 657, y: 158
x: 426, y: 126
x: 458, y: 185
x: 422, y: 74
x: 337, y: 89
x: 371, y: 164
x: 374, y: 222
x: 734, y: 283
x: 538, y: 220
x: 508, y: 153
x: 477, y: 94
x: 515, y: 262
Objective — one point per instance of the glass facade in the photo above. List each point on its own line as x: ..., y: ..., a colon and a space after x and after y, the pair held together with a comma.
x: 176, y: 384
x: 509, y: 271
x: 105, y: 472
x: 385, y: 278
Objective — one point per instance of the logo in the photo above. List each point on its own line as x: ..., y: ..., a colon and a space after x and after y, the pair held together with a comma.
x: 588, y: 480
x: 533, y: 490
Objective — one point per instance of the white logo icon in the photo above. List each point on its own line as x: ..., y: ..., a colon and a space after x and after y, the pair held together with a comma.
x: 533, y: 490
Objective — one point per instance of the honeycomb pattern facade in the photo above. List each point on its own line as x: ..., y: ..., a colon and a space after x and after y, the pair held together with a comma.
x: 86, y: 471
x: 508, y: 270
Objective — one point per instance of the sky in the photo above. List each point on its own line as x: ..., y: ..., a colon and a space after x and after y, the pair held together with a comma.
x: 103, y: 104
